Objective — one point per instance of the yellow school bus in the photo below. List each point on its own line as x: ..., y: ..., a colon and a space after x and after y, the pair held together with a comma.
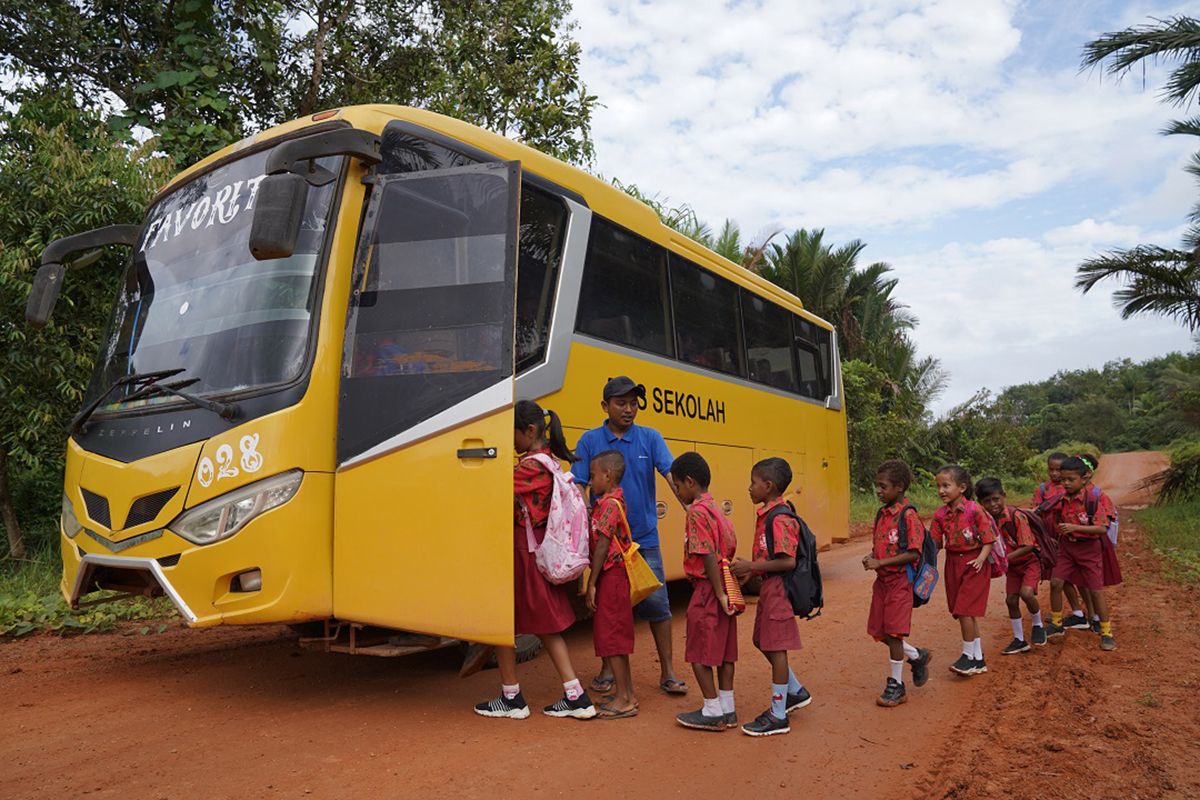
x: 302, y: 408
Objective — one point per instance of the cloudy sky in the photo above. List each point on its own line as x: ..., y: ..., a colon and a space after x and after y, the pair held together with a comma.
x: 959, y: 140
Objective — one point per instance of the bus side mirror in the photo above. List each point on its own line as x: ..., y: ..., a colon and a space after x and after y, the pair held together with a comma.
x: 278, y: 211
x: 44, y: 294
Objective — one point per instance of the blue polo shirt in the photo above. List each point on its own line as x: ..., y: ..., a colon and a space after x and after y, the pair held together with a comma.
x: 644, y: 451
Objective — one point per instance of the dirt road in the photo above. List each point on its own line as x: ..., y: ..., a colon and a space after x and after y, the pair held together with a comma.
x: 1120, y: 475
x: 232, y: 713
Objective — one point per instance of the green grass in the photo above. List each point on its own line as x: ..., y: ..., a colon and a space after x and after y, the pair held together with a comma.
x: 863, y: 505
x: 1174, y: 533
x: 30, y: 601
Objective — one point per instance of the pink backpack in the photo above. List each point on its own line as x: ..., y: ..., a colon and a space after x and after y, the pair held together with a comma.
x: 563, y: 553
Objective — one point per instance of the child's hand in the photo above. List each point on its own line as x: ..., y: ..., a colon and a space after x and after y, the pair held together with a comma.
x: 978, y: 562
x: 870, y: 562
x: 723, y: 599
x: 1066, y: 527
x: 741, y: 568
x: 591, y: 598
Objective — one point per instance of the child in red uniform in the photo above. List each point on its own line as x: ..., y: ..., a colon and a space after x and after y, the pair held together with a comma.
x: 541, y: 608
x: 1080, y: 554
x: 965, y: 531
x: 1112, y: 568
x: 1044, y: 498
x: 890, y: 618
x: 775, y: 628
x: 608, y: 584
x: 1024, y: 567
x: 711, y: 626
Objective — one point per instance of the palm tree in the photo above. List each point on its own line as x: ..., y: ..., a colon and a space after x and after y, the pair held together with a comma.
x: 1156, y: 279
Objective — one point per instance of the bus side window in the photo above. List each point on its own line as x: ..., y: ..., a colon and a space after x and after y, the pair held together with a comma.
x: 808, y: 357
x: 624, y: 296
x: 769, y: 342
x: 706, y: 318
x: 543, y: 223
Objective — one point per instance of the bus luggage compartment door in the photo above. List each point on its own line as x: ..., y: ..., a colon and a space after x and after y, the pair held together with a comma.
x: 423, y: 494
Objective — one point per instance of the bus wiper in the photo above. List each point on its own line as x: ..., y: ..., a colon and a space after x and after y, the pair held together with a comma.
x: 227, y: 411
x: 132, y: 379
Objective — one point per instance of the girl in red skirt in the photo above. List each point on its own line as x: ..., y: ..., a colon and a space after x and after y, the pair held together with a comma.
x: 542, y: 608
x: 608, y: 584
x: 966, y: 532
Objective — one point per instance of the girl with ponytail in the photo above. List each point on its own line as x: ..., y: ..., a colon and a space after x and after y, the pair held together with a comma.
x: 541, y: 608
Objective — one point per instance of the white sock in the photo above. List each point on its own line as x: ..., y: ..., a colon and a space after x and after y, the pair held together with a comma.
x: 910, y: 651
x: 712, y: 708
x: 725, y: 696
x: 573, y: 689
x: 1095, y: 617
x: 897, y: 670
x: 510, y: 692
x: 977, y: 647
x: 1037, y: 620
x: 969, y: 649
x: 1018, y: 630
x: 1078, y: 613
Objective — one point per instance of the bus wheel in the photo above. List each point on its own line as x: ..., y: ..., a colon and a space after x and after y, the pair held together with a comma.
x: 478, y: 656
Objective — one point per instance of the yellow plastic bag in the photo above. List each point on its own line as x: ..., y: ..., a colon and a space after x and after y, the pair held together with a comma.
x: 642, y: 580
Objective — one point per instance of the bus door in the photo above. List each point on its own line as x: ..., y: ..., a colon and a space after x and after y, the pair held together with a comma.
x: 423, y: 492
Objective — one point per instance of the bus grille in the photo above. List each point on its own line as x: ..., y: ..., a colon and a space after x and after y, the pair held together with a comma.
x: 145, y: 509
x: 97, y: 507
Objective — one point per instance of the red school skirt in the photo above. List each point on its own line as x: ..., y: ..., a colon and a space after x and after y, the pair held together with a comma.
x: 711, y: 633
x: 966, y: 587
x: 541, y: 607
x: 1111, y: 567
x: 891, y: 606
x: 612, y: 628
x: 775, y: 627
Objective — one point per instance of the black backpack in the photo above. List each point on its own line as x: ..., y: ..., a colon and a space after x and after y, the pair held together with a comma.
x: 927, y: 563
x: 803, y: 583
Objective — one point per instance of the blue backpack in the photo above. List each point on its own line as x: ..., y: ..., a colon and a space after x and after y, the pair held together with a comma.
x: 923, y: 573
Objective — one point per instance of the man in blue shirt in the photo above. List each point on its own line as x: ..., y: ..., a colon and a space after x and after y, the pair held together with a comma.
x: 645, y: 452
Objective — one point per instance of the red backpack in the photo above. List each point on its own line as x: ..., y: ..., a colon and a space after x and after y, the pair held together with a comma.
x: 1046, y: 545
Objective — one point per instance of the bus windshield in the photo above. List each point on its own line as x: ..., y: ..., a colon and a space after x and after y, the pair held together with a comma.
x: 195, y: 300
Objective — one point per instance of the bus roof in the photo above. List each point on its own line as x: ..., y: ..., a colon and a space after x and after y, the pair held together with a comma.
x: 602, y: 197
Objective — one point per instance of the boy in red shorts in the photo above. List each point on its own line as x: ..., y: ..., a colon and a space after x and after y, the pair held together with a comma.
x: 1080, y: 554
x: 1045, y: 496
x: 608, y: 584
x: 775, y: 628
x: 890, y: 618
x: 1024, y: 567
x: 711, y: 626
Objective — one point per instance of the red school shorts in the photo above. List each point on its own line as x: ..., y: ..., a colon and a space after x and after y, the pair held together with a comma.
x: 1080, y: 562
x: 775, y: 627
x: 711, y: 633
x: 891, y: 606
x: 1027, y: 573
x: 612, y: 628
x: 966, y: 587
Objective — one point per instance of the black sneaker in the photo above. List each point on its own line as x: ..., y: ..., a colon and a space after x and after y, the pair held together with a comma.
x: 1054, y: 631
x: 503, y: 707
x: 696, y: 720
x: 798, y: 700
x: 580, y: 708
x: 1014, y: 647
x: 1038, y: 635
x: 977, y: 666
x: 1076, y: 621
x: 767, y: 724
x: 893, y: 694
x: 731, y: 720
x: 920, y: 666
x: 1108, y: 643
x: 964, y: 665
x: 1095, y: 626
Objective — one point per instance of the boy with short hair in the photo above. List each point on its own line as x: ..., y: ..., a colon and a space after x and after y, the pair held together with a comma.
x: 1024, y: 566
x: 775, y: 628
x: 607, y: 592
x: 1080, y: 554
x: 709, y: 538
x: 1044, y: 498
x: 644, y: 452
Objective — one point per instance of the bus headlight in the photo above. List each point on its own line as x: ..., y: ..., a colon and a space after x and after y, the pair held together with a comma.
x: 224, y: 516
x: 70, y: 523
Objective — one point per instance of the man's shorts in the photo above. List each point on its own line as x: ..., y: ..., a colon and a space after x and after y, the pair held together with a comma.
x: 656, y: 607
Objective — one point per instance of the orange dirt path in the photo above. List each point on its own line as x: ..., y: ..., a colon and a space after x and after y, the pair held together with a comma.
x: 232, y: 713
x: 1120, y: 476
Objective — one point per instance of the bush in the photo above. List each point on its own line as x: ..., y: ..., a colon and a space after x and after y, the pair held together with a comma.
x: 1180, y: 481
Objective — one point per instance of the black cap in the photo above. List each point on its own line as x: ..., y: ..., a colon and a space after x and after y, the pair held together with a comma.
x: 623, y: 385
